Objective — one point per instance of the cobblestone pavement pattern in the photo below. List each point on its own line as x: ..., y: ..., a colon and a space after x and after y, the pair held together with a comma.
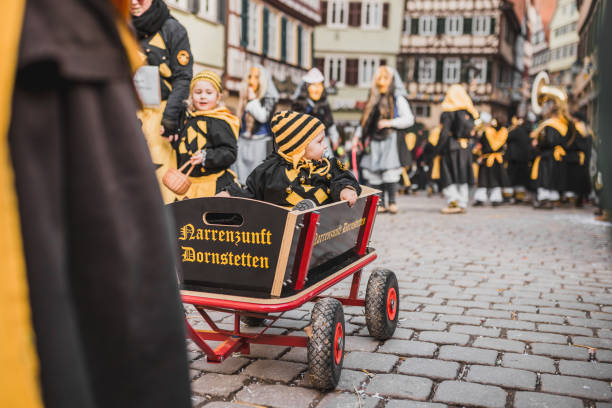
x: 506, y: 307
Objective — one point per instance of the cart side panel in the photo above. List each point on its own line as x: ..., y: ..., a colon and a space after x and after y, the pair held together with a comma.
x: 335, y: 239
x: 229, y: 245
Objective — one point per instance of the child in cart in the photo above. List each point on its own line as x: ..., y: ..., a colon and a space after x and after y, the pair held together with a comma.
x: 208, y: 139
x: 297, y: 171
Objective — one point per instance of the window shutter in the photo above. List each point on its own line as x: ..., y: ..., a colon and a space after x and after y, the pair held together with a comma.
x: 467, y: 25
x: 415, y: 71
x: 299, y: 45
x: 489, y: 71
x: 244, y: 41
x: 324, y: 12
x: 382, y: 62
x: 439, y: 70
x: 283, y: 39
x: 309, y: 63
x: 319, y: 63
x: 414, y: 26
x: 266, y: 23
x: 194, y: 6
x: 352, y: 68
x: 440, y: 29
x: 464, y: 70
x: 492, y: 25
x: 221, y: 11
x: 385, y: 16
x: 354, y: 14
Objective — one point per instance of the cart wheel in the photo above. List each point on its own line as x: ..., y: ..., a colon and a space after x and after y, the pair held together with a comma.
x: 382, y: 304
x: 326, y: 346
x: 252, y: 321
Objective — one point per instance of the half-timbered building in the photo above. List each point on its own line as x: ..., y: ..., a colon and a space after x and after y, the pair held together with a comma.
x: 461, y: 41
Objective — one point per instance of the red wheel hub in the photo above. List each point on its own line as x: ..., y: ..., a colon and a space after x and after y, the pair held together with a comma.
x: 338, y: 343
x: 391, y: 304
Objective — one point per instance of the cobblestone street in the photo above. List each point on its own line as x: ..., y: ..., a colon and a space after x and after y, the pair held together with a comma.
x: 501, y: 307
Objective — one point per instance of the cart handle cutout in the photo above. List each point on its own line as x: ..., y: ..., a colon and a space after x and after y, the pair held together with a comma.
x: 223, y: 219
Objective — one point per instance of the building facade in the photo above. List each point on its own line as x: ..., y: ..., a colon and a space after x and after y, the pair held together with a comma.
x: 204, y: 20
x: 354, y: 39
x: 277, y: 34
x: 461, y: 41
x: 563, y: 43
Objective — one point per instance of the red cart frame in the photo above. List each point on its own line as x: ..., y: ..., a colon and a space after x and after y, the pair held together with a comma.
x: 235, y: 340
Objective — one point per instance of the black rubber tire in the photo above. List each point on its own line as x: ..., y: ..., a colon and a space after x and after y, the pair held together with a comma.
x: 323, y: 368
x: 380, y: 284
x: 252, y: 321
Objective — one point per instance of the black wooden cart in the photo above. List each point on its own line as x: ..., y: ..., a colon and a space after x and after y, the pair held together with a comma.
x: 250, y: 259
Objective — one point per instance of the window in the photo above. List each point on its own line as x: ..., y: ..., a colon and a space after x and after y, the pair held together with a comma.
x: 273, y: 35
x: 481, y: 25
x: 422, y: 110
x: 334, y: 68
x: 427, y: 25
x: 451, y: 71
x: 208, y: 9
x: 478, y: 71
x: 367, y: 68
x: 454, y: 25
x: 290, y: 42
x: 427, y: 70
x: 406, y: 26
x: 371, y: 14
x: 181, y: 4
x: 254, y: 19
x: 337, y: 13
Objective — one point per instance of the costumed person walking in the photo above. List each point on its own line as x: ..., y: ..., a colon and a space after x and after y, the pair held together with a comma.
x: 549, y: 139
x: 519, y: 154
x: 166, y: 46
x: 492, y: 176
x: 456, y: 172
x: 577, y: 162
x: 386, y: 114
x: 208, y: 139
x: 91, y: 313
x: 258, y: 99
x: 311, y: 97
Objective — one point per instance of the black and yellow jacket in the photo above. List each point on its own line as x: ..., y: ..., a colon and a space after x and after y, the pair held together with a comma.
x: 493, y: 142
x: 166, y: 45
x: 215, y: 133
x: 277, y: 181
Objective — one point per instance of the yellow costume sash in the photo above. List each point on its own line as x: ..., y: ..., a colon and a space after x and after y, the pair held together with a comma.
x: 224, y: 114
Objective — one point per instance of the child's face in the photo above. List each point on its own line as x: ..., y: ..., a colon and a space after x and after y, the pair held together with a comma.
x: 205, y: 96
x: 316, y: 147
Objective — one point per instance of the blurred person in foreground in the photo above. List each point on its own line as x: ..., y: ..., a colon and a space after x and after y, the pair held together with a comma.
x: 91, y: 312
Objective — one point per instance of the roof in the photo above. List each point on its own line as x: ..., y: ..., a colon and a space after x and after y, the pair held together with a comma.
x: 519, y: 9
x: 546, y: 10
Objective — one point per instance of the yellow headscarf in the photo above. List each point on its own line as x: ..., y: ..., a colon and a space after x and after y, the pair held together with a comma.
x: 458, y: 99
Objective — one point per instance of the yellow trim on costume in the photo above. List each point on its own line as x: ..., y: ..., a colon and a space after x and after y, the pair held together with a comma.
x: 558, y: 123
x: 496, y: 138
x: 19, y: 387
x: 164, y: 70
x: 493, y: 157
x: 463, y: 142
x: 435, y: 168
x: 224, y: 114
x: 535, y: 168
x: 475, y: 170
x: 434, y: 135
x: 410, y: 140
x: 405, y: 178
x: 158, y: 41
x: 558, y: 153
x: 581, y: 157
x: 457, y: 98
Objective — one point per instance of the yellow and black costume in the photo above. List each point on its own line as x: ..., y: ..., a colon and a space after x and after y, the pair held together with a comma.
x: 492, y: 175
x: 548, y: 170
x: 519, y: 154
x: 457, y: 120
x: 577, y: 161
x: 215, y: 134
x: 286, y: 177
x: 165, y: 44
x: 90, y: 307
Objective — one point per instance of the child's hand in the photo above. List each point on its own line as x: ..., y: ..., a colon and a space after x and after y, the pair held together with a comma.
x: 384, y: 123
x: 223, y: 194
x: 349, y: 195
x: 196, y: 158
